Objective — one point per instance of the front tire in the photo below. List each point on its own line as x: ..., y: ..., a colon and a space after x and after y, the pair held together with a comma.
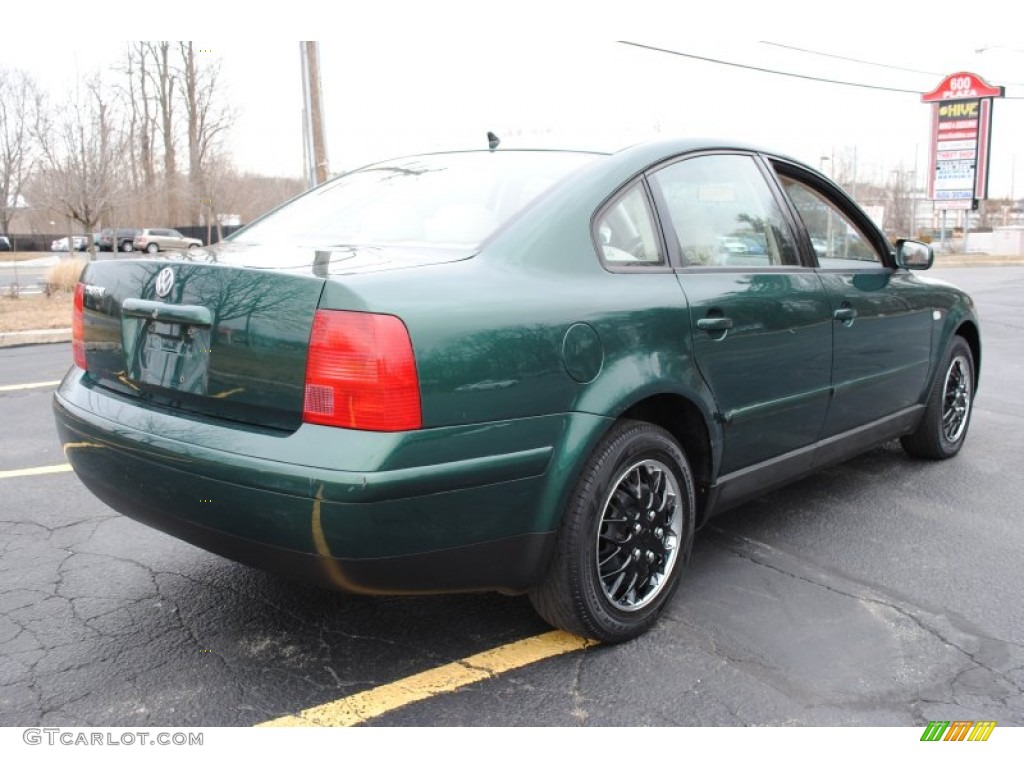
x: 625, y: 537
x: 942, y: 430
x: 126, y: 247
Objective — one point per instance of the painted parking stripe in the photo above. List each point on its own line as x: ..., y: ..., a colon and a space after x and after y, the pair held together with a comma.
x: 363, y: 706
x: 53, y: 468
x: 35, y: 385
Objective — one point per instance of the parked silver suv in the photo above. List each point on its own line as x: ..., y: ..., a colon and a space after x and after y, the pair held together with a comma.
x: 153, y: 240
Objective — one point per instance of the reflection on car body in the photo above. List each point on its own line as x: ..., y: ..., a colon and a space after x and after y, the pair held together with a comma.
x: 527, y: 371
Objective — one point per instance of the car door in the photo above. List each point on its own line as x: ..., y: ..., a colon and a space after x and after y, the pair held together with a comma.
x: 162, y: 237
x: 882, y: 319
x: 761, y: 321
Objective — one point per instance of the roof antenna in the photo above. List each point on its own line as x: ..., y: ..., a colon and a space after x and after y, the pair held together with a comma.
x: 492, y: 141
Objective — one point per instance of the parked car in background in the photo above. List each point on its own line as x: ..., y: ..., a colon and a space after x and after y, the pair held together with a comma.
x: 80, y: 243
x: 122, y: 240
x: 155, y: 240
x: 5, y: 244
x: 525, y: 371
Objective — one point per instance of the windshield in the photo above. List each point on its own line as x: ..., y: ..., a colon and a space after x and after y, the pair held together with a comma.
x: 450, y: 201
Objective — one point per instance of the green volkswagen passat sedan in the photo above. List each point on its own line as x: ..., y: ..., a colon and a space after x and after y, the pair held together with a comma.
x: 525, y: 371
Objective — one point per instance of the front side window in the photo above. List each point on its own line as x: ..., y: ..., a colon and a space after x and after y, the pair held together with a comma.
x: 837, y: 242
x: 723, y: 213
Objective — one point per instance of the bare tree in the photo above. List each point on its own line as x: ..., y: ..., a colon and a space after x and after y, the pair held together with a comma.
x: 899, y: 204
x: 176, y: 99
x: 994, y: 212
x: 219, y: 192
x: 165, y: 80
x: 142, y: 126
x: 168, y: 96
x: 137, y: 88
x: 844, y: 168
x: 82, y: 168
x: 20, y: 102
x: 254, y: 195
x: 207, y: 117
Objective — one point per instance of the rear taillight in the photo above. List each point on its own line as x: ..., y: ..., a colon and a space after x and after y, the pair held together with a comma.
x: 361, y: 373
x: 78, y: 327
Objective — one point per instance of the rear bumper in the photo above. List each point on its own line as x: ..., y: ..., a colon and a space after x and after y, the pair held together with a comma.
x: 437, y: 510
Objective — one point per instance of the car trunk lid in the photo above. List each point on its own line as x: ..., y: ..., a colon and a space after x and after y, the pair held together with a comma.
x: 225, y: 331
x: 202, y: 338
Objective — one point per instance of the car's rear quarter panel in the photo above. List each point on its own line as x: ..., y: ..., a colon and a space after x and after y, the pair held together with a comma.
x: 489, y: 335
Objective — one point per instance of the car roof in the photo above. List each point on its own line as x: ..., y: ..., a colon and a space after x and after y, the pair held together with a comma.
x: 639, y: 153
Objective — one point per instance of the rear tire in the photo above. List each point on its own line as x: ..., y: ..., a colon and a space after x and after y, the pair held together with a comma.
x: 152, y: 248
x: 625, y: 537
x: 942, y: 430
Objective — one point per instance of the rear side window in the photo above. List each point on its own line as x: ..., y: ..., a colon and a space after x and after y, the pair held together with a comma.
x: 626, y: 233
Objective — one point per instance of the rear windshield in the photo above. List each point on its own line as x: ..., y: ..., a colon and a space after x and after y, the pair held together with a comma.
x: 449, y: 201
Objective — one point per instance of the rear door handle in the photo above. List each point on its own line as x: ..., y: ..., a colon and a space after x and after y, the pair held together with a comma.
x: 715, y: 323
x: 845, y: 314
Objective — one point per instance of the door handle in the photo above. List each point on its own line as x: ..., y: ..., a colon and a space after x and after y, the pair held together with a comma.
x: 845, y: 314
x: 715, y: 324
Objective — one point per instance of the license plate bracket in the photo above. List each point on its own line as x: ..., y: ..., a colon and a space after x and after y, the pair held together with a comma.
x: 165, y: 354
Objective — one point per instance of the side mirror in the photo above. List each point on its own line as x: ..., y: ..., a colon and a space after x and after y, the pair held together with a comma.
x: 911, y: 254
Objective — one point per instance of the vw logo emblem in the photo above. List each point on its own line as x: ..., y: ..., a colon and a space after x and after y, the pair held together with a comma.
x: 164, y: 282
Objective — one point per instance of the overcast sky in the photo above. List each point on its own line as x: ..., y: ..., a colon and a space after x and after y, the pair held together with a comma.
x: 404, y: 77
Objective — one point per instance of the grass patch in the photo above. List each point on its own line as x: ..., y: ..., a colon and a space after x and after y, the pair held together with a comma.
x: 37, y: 312
x: 64, y: 275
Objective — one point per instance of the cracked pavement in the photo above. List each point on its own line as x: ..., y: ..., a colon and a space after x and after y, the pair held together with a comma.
x: 884, y: 591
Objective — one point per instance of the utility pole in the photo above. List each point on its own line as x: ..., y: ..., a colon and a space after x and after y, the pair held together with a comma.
x: 853, y: 193
x: 313, y: 117
x: 913, y: 198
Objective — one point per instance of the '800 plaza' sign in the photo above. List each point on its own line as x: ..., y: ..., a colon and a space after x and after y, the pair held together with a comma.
x: 960, y: 139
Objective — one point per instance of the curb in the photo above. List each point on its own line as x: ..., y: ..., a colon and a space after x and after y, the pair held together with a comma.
x: 20, y: 338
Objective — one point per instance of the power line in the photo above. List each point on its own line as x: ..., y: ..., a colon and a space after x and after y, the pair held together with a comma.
x: 769, y: 71
x: 868, y: 63
x: 766, y: 70
x: 856, y: 61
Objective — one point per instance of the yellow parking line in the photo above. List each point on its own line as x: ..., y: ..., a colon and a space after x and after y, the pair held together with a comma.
x: 35, y: 385
x: 5, y: 473
x: 360, y: 707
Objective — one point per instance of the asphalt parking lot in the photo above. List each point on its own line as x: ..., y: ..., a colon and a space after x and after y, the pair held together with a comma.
x: 884, y: 591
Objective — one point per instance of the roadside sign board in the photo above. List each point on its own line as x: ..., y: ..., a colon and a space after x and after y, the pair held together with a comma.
x: 960, y: 139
